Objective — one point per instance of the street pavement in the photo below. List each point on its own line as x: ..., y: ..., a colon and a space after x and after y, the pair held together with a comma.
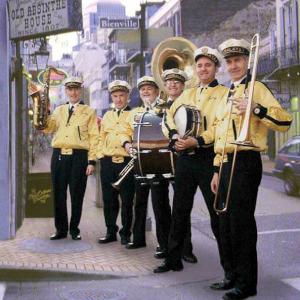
x: 32, y: 267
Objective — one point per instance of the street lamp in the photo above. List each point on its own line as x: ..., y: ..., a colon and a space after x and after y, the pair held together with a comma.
x: 42, y: 55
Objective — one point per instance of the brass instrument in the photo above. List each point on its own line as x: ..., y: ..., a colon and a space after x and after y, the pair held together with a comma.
x: 125, y: 171
x: 243, y: 138
x: 174, y: 52
x: 40, y: 97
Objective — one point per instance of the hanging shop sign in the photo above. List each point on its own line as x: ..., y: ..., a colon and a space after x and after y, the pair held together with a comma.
x: 35, y: 18
x: 56, y: 78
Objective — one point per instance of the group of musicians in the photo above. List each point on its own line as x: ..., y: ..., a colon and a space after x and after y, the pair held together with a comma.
x: 77, y: 144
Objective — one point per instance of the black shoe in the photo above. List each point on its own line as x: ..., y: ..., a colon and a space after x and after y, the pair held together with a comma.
x: 58, y: 236
x: 135, y: 245
x: 160, y: 254
x: 125, y: 240
x: 190, y: 258
x: 237, y: 294
x: 107, y: 239
x: 76, y: 237
x: 165, y: 267
x: 223, y: 285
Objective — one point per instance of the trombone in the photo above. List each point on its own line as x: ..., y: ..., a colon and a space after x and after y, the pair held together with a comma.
x: 243, y: 138
x: 122, y: 175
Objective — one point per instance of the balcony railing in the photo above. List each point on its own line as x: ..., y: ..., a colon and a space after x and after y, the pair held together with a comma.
x: 289, y: 56
x: 117, y: 60
x: 279, y: 58
x: 132, y: 53
x: 104, y: 84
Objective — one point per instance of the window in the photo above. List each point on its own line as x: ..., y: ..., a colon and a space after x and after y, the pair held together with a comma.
x: 293, y: 148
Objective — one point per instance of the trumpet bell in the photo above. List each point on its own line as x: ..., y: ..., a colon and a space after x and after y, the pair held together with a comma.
x: 174, y: 52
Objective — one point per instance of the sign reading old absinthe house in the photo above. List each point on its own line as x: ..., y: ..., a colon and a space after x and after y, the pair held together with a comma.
x: 35, y: 18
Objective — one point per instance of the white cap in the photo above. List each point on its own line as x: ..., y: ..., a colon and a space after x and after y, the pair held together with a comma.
x: 119, y: 85
x: 73, y: 81
x: 146, y: 80
x: 174, y: 74
x: 212, y: 54
x: 234, y: 47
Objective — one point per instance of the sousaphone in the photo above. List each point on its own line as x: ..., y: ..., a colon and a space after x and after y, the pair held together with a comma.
x: 174, y: 52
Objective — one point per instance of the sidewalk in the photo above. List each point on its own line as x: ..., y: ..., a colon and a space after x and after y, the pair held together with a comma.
x: 268, y: 165
x: 32, y: 249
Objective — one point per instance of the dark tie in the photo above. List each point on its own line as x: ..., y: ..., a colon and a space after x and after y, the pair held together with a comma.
x: 71, y: 109
x: 118, y: 112
x: 231, y: 91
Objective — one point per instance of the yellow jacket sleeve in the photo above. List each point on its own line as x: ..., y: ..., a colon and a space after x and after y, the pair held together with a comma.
x: 52, y: 122
x: 271, y: 114
x: 101, y: 139
x: 93, y: 133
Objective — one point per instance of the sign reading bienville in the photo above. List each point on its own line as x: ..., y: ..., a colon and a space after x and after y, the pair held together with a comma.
x: 35, y: 18
x: 127, y: 23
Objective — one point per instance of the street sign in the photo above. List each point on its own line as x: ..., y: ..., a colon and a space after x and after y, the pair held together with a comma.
x: 36, y: 18
x: 127, y: 23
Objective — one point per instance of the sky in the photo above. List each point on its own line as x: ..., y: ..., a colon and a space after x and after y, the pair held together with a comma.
x: 63, y: 43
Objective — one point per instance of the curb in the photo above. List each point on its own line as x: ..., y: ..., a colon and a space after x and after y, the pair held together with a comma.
x: 268, y: 173
x: 66, y: 272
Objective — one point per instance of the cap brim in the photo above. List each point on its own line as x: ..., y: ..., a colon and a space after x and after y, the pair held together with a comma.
x: 73, y: 84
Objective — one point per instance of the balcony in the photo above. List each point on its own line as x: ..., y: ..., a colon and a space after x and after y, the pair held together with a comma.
x: 132, y: 55
x: 267, y: 63
x: 104, y: 84
x: 289, y: 56
x: 283, y: 58
x: 117, y: 62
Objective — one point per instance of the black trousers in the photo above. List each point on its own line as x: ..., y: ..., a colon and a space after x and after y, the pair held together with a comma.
x: 191, y: 171
x: 68, y: 170
x: 110, y: 173
x: 161, y: 208
x: 237, y: 225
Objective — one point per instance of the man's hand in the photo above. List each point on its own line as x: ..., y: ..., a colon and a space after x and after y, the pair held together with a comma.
x: 90, y: 170
x: 188, y: 143
x: 129, y: 148
x: 241, y: 105
x: 214, y: 183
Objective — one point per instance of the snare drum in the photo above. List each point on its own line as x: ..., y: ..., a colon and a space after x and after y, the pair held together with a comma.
x: 153, y: 158
x: 187, y: 120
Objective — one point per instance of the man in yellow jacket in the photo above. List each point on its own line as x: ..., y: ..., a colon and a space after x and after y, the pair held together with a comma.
x: 149, y: 94
x: 174, y: 82
x: 194, y: 165
x: 74, y: 156
x: 237, y: 225
x: 113, y: 152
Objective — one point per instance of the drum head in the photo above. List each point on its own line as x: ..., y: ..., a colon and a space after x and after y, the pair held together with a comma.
x: 180, y: 119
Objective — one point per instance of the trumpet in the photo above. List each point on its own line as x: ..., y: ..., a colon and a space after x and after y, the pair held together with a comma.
x: 243, y: 138
x: 122, y: 175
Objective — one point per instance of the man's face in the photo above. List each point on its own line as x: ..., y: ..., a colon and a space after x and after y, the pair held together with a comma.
x: 237, y: 66
x: 206, y: 70
x: 148, y: 93
x: 120, y: 99
x: 174, y: 87
x: 73, y: 94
